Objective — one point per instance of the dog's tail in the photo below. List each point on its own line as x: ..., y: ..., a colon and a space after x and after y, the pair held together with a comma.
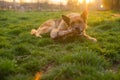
x: 33, y: 31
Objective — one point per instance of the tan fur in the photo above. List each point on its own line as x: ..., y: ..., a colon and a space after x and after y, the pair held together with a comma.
x: 69, y: 24
x: 33, y: 31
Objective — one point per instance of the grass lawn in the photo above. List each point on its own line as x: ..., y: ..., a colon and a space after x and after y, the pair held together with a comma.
x: 23, y: 55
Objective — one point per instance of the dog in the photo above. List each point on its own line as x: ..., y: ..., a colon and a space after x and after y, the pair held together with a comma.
x: 70, y: 25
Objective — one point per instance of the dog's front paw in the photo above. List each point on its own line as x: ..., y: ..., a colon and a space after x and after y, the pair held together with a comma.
x: 39, y: 36
x: 93, y: 39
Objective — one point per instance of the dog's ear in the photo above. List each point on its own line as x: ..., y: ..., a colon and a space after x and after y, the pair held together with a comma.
x: 84, y: 15
x: 66, y: 19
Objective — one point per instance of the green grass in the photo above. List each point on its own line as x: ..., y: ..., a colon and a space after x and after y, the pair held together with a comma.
x: 22, y: 55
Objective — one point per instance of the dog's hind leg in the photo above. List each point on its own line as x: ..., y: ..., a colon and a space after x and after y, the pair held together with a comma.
x: 44, y: 28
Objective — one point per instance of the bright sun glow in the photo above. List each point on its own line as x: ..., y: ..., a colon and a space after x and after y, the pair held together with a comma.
x: 28, y: 1
x: 64, y: 2
x: 87, y: 1
x: 101, y: 6
x: 18, y: 1
x: 55, y: 1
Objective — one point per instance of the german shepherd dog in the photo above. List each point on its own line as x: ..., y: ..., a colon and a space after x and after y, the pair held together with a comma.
x: 70, y: 25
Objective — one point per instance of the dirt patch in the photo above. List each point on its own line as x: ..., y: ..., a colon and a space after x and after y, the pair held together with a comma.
x: 48, y: 67
x: 44, y: 70
x: 115, y: 67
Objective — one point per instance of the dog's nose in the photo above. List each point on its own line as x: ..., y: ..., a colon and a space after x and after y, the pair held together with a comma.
x: 76, y: 27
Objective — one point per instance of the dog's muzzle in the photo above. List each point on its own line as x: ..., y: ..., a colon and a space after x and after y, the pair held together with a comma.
x: 78, y: 30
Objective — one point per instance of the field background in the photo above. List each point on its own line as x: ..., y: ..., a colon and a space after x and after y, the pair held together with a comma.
x: 23, y: 55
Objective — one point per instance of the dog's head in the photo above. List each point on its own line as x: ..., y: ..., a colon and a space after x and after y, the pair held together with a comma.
x: 76, y: 21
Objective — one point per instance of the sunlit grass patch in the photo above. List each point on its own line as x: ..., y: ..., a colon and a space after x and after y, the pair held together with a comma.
x: 7, y: 67
x: 5, y: 44
x: 23, y: 55
x: 21, y: 49
x: 20, y: 77
x: 3, y: 19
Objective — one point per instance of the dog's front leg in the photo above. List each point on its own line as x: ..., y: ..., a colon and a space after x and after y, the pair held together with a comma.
x: 89, y: 37
x: 55, y: 33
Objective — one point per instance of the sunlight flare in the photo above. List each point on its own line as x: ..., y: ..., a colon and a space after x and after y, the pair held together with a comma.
x: 64, y: 2
x: 101, y: 6
x: 28, y: 1
x: 80, y: 1
x: 87, y: 1
x: 38, y: 75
